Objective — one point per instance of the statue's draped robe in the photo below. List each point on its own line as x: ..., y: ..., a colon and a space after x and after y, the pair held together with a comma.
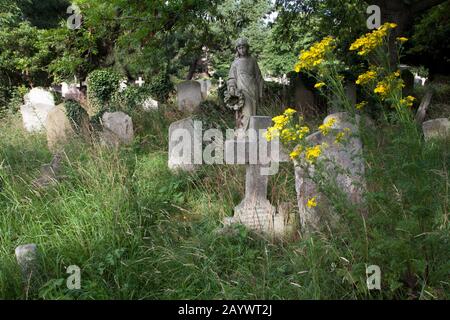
x: 245, y: 75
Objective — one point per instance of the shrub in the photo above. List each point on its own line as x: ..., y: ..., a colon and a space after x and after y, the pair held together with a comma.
x: 160, y: 87
x: 75, y: 113
x: 102, y: 86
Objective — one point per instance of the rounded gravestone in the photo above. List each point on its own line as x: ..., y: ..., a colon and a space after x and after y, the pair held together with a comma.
x: 189, y: 95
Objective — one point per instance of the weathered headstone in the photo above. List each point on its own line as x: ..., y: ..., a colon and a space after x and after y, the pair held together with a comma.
x: 59, y: 128
x: 436, y: 128
x: 408, y: 79
x: 304, y: 98
x: 343, y: 165
x: 255, y: 211
x: 350, y: 91
x: 205, y: 87
x: 117, y: 129
x: 183, y: 142
x: 27, y: 259
x: 189, y: 95
x: 38, y: 103
x: 150, y: 104
x: 49, y: 173
x: 74, y: 93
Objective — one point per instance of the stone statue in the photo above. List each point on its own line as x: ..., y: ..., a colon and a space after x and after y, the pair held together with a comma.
x: 245, y: 85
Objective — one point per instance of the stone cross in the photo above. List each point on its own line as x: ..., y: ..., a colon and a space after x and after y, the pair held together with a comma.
x: 255, y: 210
x: 140, y: 82
x: 220, y: 82
x: 260, y: 157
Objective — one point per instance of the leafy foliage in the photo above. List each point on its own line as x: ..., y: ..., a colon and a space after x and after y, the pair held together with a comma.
x: 102, y: 85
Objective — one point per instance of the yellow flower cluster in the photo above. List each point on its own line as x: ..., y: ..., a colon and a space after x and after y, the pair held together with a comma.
x: 312, y: 203
x: 361, y: 105
x: 296, y: 152
x: 319, y: 85
x: 315, y: 55
x: 390, y: 83
x: 341, y: 136
x: 365, y: 78
x: 312, y: 153
x: 326, y: 127
x: 407, y: 102
x: 370, y: 41
x: 282, y: 129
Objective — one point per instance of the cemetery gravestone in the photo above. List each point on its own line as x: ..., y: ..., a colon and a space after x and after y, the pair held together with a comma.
x: 350, y: 91
x: 59, y: 128
x: 117, y: 128
x: 255, y: 211
x: 408, y: 79
x: 304, y: 98
x: 436, y: 128
x: 49, y: 173
x: 205, y: 87
x: 27, y: 259
x: 150, y: 104
x: 189, y: 95
x: 343, y: 165
x: 182, y: 141
x: 38, y: 103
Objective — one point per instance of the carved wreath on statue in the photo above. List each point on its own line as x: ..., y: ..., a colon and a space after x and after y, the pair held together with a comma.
x: 234, y: 102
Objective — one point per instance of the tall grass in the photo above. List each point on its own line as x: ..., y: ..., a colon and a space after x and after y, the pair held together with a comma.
x: 139, y: 231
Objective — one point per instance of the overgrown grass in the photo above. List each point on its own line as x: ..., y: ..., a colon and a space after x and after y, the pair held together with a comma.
x: 139, y: 231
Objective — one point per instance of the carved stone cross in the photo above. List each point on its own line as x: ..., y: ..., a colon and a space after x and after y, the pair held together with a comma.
x: 255, y: 210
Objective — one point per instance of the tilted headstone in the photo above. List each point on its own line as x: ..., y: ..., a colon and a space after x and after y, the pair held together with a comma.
x: 117, y: 128
x: 150, y: 104
x: 27, y: 259
x: 182, y: 144
x: 344, y: 165
x: 189, y: 95
x: 74, y: 93
x: 205, y: 87
x: 38, y: 103
x: 59, y: 128
x: 49, y: 174
x: 304, y: 98
x: 436, y: 128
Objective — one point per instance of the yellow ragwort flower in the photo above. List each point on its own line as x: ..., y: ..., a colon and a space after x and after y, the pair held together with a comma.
x: 326, y: 127
x: 289, y: 112
x: 288, y: 135
x: 296, y: 152
x: 271, y: 133
x: 361, y: 105
x: 319, y: 85
x: 389, y: 84
x: 280, y: 121
x: 402, y: 39
x: 313, y: 57
x: 312, y: 203
x: 407, y: 102
x: 312, y: 153
x: 366, y: 77
x: 372, y: 40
